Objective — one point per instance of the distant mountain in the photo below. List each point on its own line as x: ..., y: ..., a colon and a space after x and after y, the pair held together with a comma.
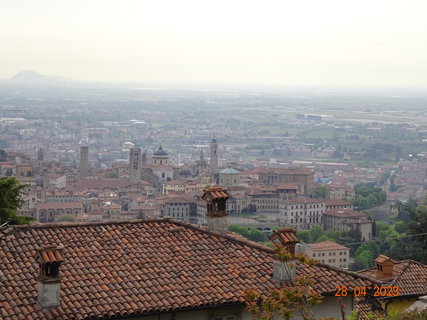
x: 32, y: 77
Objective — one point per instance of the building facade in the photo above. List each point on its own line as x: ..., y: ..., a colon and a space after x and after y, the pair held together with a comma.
x: 302, y: 213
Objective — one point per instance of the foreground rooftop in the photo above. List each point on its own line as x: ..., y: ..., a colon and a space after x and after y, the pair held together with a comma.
x: 140, y: 267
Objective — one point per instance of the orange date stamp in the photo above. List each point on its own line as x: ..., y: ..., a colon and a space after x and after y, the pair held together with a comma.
x: 379, y: 291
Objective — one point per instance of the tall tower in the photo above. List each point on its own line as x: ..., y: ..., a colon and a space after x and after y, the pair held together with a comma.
x: 144, y: 158
x: 84, y: 161
x: 135, y: 165
x: 40, y: 156
x: 213, y: 163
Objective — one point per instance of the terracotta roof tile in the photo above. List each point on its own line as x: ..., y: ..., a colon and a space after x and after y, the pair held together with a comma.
x: 327, y: 245
x: 163, y: 265
x: 410, y: 276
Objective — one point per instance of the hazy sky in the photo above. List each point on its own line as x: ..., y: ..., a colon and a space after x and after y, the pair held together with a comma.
x: 298, y: 42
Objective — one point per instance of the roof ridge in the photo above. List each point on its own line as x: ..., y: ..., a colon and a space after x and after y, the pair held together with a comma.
x: 352, y: 273
x: 196, y: 227
x: 226, y: 235
x: 80, y: 224
x: 403, y: 270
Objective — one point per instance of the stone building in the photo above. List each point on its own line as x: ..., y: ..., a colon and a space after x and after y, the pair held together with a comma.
x: 48, y: 211
x: 346, y: 219
x: 229, y: 177
x: 330, y: 253
x: 274, y: 176
x: 302, y: 213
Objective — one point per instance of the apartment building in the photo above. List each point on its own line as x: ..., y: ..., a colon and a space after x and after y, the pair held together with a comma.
x: 301, y: 213
x: 330, y: 253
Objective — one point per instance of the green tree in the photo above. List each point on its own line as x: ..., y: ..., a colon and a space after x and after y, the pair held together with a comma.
x: 320, y: 192
x: 381, y: 226
x: 414, y: 245
x: 256, y: 235
x: 417, y: 227
x: 355, y: 234
x: 112, y: 174
x: 370, y: 246
x: 315, y: 233
x: 238, y: 229
x: 304, y: 236
x: 400, y: 227
x: 324, y: 237
x: 10, y: 200
x: 366, y: 257
x: 65, y: 218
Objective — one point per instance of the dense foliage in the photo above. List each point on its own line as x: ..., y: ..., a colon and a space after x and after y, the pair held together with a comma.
x: 414, y: 244
x: 368, y: 196
x: 251, y: 233
x: 320, y: 192
x: 10, y: 200
x: 384, y: 152
x: 65, y: 218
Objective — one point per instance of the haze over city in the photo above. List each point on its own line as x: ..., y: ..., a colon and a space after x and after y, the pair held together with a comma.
x: 195, y: 160
x: 280, y: 43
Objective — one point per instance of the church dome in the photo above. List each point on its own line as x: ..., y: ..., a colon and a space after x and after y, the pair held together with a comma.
x: 160, y: 152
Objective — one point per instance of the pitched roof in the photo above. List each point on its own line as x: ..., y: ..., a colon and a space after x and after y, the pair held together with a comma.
x: 229, y: 171
x: 140, y: 267
x: 409, y: 275
x: 284, y: 236
x: 327, y: 245
x: 337, y: 202
x: 215, y: 193
x: 304, y: 201
x: 103, y: 183
x: 345, y: 213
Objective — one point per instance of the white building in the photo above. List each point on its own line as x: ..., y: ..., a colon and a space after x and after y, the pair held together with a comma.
x: 301, y: 213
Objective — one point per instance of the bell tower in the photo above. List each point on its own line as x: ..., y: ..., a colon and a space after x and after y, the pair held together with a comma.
x: 213, y: 162
x: 135, y: 165
x: 84, y: 161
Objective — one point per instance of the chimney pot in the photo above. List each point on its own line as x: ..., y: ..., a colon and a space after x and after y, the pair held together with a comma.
x: 384, y: 266
x: 216, y: 200
x: 286, y: 238
x: 49, y: 280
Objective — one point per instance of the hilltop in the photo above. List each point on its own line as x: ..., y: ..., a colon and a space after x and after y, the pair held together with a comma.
x: 32, y: 77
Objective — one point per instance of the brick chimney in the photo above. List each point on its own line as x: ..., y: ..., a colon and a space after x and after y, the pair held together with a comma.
x: 286, y: 238
x: 216, y: 199
x: 384, y: 266
x: 49, y: 280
